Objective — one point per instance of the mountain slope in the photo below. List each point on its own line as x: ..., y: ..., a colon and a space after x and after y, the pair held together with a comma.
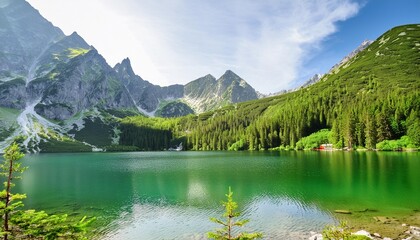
x: 86, y: 81
x: 49, y: 76
x: 343, y: 61
x: 347, y: 58
x: 61, y: 86
x: 24, y: 36
x: 374, y: 97
x: 207, y: 93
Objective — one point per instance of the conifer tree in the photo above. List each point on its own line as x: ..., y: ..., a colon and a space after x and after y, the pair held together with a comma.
x: 227, y: 232
x: 350, y: 130
x: 30, y: 224
x: 9, y: 202
x: 413, y: 130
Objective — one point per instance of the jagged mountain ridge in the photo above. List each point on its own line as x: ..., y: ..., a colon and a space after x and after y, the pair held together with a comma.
x: 47, y: 76
x: 314, y: 79
x: 207, y: 93
x: 203, y: 94
x: 318, y: 76
x: 351, y: 55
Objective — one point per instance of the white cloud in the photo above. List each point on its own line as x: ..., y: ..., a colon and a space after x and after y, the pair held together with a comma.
x: 176, y: 41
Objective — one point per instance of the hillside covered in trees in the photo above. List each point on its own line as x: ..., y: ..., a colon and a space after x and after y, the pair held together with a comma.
x: 372, y: 98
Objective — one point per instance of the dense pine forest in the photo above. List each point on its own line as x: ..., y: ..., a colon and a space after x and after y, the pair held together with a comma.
x: 372, y: 101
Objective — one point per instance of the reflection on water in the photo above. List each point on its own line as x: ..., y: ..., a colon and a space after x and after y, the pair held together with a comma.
x: 167, y: 195
x: 151, y: 221
x: 277, y: 218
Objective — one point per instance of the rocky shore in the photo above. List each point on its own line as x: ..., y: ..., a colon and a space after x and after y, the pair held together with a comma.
x: 411, y: 233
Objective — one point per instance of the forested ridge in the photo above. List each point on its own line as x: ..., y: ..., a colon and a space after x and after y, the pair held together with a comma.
x: 373, y: 97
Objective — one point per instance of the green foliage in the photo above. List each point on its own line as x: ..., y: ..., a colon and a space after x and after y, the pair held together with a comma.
x: 95, y: 131
x: 227, y: 232
x: 374, y: 97
x: 33, y: 224
x: 174, y: 109
x: 9, y: 202
x: 121, y: 113
x: 314, y: 140
x: 63, y: 145
x: 121, y: 148
x: 395, y: 145
x: 74, y: 52
x: 388, y: 145
x: 149, y: 134
x: 413, y: 126
x: 30, y: 224
x: 238, y: 146
x: 341, y: 232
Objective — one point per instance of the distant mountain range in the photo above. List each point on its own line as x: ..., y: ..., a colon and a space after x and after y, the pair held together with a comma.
x: 55, y: 80
x: 203, y: 94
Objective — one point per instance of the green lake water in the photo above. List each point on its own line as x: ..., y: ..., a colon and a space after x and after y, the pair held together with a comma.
x: 172, y: 195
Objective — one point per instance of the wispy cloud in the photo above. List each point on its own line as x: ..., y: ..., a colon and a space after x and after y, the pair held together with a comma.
x: 176, y: 41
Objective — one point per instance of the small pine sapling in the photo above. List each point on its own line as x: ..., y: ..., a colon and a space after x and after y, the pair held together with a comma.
x: 227, y: 232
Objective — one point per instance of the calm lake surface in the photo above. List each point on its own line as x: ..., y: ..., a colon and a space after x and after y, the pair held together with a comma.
x: 171, y: 195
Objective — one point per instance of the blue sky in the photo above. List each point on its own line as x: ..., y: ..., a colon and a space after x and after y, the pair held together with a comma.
x: 374, y: 18
x: 272, y: 44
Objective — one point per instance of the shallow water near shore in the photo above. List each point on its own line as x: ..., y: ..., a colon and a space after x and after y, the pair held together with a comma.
x: 172, y: 195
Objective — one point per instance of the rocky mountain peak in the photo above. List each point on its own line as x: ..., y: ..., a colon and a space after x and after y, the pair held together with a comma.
x: 314, y: 79
x: 74, y: 41
x: 127, y: 74
x: 126, y: 61
x: 347, y: 58
x: 209, y: 76
x: 229, y: 74
x: 227, y: 79
x: 76, y: 36
x: 207, y: 93
x: 366, y: 43
x: 125, y: 68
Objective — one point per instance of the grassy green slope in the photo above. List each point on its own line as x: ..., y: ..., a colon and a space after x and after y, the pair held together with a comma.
x: 389, y: 64
x: 384, y: 78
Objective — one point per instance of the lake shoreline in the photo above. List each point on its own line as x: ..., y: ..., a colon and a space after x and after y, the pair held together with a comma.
x: 390, y: 226
x: 269, y: 150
